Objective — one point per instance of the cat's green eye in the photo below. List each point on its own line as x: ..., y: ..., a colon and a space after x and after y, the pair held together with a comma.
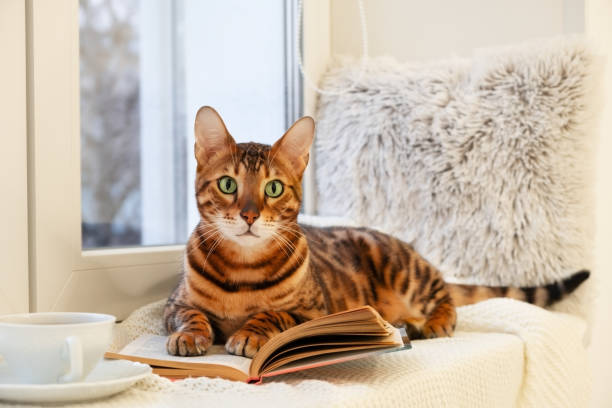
x: 227, y: 185
x: 274, y: 188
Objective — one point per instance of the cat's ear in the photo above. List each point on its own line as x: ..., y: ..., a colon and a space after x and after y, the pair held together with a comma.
x: 295, y: 143
x: 211, y: 135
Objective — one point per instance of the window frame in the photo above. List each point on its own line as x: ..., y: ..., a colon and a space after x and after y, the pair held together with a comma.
x: 62, y: 275
x: 13, y: 159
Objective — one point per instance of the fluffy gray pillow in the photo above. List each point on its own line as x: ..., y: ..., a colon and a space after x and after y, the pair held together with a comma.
x: 483, y: 165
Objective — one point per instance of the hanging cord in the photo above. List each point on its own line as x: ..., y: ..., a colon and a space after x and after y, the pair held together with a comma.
x: 364, y: 51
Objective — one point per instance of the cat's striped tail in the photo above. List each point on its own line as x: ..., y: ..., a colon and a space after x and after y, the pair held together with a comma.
x: 538, y: 295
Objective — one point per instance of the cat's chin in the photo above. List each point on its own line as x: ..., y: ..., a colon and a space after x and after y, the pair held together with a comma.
x: 249, y: 240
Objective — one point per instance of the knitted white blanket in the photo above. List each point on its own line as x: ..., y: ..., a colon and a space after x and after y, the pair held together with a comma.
x: 505, y: 353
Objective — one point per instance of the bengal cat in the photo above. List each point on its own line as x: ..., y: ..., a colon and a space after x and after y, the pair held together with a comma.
x: 250, y: 271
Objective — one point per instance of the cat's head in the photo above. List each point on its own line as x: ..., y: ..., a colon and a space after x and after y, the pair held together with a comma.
x: 249, y: 193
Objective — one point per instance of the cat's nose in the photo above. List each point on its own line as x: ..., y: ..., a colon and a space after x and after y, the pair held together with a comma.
x: 249, y: 213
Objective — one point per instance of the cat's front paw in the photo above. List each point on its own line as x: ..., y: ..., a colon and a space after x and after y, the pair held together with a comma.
x: 438, y: 328
x: 183, y: 343
x: 245, y: 343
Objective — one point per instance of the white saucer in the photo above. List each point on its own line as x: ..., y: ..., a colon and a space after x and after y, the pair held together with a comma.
x: 107, y: 378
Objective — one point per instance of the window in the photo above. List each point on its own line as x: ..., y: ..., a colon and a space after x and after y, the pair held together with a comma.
x: 168, y: 58
x: 145, y: 69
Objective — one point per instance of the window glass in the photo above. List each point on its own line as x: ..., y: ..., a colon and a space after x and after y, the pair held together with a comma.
x: 146, y: 66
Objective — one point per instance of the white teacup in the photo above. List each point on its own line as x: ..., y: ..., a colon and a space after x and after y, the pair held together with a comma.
x: 47, y: 348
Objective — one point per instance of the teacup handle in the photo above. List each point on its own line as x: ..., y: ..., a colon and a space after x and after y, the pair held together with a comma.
x: 73, y: 352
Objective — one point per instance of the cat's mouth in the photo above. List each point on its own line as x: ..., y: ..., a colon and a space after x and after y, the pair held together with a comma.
x: 248, y: 233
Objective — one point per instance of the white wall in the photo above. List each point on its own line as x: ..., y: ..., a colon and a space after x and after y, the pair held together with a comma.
x: 316, y: 53
x: 416, y: 30
x: 599, y: 29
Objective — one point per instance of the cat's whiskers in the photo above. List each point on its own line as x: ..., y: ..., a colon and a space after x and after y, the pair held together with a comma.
x: 281, y: 246
x: 206, y: 235
x: 288, y: 244
x: 283, y: 239
x: 214, y: 246
x: 210, y: 234
x: 210, y: 228
x: 298, y: 230
x: 203, y: 234
x: 294, y: 232
x: 204, y: 228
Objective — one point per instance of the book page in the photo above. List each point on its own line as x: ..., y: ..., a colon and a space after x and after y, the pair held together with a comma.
x: 363, y: 320
x: 321, y: 346
x: 320, y: 360
x: 154, y: 347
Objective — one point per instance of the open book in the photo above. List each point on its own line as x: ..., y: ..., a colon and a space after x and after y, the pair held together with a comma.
x: 331, y: 339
